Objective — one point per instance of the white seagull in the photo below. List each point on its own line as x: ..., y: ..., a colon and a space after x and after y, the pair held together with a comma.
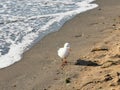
x: 64, y: 52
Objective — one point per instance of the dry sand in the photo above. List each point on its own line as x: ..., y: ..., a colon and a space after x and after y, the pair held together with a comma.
x: 94, y: 63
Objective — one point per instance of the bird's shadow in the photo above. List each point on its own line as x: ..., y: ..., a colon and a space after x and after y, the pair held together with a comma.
x: 86, y: 63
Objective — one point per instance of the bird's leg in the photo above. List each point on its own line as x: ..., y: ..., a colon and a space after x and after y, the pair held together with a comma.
x: 64, y: 62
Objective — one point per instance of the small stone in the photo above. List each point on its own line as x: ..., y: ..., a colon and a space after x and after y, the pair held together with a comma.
x: 113, y: 25
x: 118, y: 74
x: 78, y: 36
x: 108, y: 78
x: 112, y: 84
x: 100, y: 87
x: 67, y: 80
x: 118, y: 81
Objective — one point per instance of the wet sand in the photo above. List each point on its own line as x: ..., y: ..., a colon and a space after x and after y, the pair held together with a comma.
x: 92, y: 65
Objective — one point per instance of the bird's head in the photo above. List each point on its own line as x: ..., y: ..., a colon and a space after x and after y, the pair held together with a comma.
x: 67, y: 45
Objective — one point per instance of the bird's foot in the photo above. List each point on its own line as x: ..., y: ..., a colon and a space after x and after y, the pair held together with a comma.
x: 64, y: 63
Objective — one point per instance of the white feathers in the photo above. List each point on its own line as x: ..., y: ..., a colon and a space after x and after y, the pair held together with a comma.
x: 64, y: 51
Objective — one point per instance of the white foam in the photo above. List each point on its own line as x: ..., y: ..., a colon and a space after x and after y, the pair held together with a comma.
x: 17, y: 48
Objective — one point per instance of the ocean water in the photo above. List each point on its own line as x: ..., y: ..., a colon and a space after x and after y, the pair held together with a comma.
x: 25, y: 22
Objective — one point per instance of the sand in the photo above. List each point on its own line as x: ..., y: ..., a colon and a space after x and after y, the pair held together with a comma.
x: 92, y: 65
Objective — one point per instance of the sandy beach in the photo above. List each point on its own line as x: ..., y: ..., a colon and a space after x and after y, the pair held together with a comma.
x: 93, y: 64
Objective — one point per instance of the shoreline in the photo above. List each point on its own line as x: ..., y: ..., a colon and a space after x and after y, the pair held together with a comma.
x: 39, y: 68
x: 53, y: 22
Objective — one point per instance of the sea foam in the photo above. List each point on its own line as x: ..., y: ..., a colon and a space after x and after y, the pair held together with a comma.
x: 25, y: 22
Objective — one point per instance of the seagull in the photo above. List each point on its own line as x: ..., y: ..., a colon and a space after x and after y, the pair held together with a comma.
x: 64, y: 52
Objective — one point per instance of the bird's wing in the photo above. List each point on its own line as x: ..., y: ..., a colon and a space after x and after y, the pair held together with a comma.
x: 61, y: 52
